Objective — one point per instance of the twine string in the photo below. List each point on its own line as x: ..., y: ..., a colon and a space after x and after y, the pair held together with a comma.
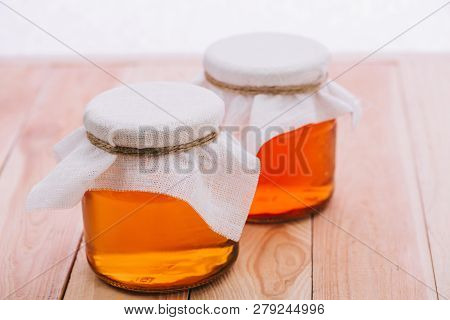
x: 155, y: 151
x: 252, y: 90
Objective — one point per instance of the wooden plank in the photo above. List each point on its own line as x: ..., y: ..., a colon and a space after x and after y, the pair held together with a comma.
x: 274, y: 263
x: 376, y: 207
x: 371, y: 241
x: 425, y: 82
x: 37, y: 249
x: 14, y: 104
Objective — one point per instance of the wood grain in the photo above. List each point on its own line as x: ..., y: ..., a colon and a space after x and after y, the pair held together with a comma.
x: 37, y: 248
x: 14, y: 104
x: 426, y: 84
x: 274, y: 263
x: 371, y: 241
x: 390, y: 206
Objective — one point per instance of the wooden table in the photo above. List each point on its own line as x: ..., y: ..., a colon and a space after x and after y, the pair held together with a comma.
x: 384, y: 235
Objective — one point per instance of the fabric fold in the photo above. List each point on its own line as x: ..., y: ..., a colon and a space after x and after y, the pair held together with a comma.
x: 195, y: 176
x: 66, y: 184
x: 271, y: 115
x: 69, y: 143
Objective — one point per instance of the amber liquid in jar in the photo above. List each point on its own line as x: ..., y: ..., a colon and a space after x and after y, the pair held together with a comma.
x: 297, y: 170
x: 143, y: 241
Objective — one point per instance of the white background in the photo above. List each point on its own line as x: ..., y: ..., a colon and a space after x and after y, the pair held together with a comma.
x: 106, y: 27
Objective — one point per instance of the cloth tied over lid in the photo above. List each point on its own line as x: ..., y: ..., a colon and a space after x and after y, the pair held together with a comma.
x: 156, y: 137
x: 273, y: 80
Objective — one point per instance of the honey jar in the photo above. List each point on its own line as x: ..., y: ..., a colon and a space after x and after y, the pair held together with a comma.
x: 158, y: 246
x: 164, y: 193
x: 282, y: 108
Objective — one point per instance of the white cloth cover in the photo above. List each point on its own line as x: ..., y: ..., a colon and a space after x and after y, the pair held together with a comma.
x: 272, y: 59
x: 221, y: 196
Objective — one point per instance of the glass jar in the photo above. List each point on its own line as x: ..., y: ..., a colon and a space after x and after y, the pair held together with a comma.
x: 181, y: 252
x: 165, y: 194
x: 297, y: 170
x: 276, y: 94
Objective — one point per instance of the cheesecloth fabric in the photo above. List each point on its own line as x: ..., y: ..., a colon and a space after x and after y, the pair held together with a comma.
x: 218, y: 178
x: 273, y: 60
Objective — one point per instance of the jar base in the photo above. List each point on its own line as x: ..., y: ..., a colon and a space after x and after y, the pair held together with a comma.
x: 292, y: 215
x: 174, y: 288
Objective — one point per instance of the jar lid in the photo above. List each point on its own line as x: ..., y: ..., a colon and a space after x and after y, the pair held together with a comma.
x: 266, y: 59
x: 153, y: 115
